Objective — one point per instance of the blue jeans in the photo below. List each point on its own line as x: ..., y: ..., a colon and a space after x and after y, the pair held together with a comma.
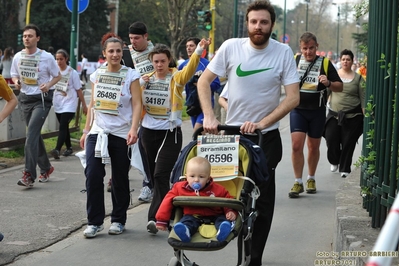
x: 95, y: 173
x: 194, y: 223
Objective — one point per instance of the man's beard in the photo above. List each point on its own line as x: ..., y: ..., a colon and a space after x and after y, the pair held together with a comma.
x: 259, y: 41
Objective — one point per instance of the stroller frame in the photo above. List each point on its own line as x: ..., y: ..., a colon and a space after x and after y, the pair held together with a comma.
x: 244, y: 204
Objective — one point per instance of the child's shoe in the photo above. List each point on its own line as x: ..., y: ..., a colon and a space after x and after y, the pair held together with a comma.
x: 224, y: 231
x: 182, y: 232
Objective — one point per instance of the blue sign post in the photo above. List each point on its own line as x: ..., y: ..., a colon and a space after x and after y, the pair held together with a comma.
x: 82, y: 5
x: 285, y: 38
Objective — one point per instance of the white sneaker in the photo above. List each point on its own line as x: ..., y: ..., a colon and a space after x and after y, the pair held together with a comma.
x: 116, y: 229
x: 92, y: 230
x: 145, y: 194
x: 333, y: 168
x: 152, y: 227
x: 344, y: 175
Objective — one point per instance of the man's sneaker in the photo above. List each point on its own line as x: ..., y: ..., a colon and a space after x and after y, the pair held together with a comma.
x: 224, y: 231
x: 295, y: 190
x: 109, y: 185
x: 344, y: 175
x: 56, y: 154
x: 44, y: 177
x: 334, y: 168
x: 1, y: 237
x: 152, y: 227
x: 116, y: 229
x: 182, y: 232
x: 67, y: 152
x: 145, y: 194
x: 311, y: 186
x: 92, y: 230
x: 26, y: 180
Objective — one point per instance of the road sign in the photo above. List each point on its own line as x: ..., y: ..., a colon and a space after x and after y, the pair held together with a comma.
x: 82, y: 5
x: 285, y: 39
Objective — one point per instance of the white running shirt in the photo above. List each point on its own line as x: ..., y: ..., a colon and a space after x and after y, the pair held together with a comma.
x: 255, y: 78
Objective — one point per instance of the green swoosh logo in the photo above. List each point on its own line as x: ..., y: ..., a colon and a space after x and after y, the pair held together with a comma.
x: 242, y: 73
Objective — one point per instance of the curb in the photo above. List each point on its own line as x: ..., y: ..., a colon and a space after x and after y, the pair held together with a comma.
x: 354, y: 237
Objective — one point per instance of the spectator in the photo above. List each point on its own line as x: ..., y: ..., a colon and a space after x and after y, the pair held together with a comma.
x: 35, y: 101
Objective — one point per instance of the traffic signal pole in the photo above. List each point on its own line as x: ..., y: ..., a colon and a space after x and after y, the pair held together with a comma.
x: 73, y: 52
x: 212, y: 31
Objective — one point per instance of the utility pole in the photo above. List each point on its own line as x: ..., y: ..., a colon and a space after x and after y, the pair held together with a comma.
x: 73, y: 52
x: 235, y: 29
x: 307, y: 12
x: 285, y: 19
x: 212, y: 31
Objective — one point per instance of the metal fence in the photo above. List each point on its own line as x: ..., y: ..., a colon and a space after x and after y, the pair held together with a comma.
x: 20, y: 141
x: 379, y: 178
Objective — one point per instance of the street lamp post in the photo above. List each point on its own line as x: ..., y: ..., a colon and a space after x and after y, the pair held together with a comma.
x: 338, y: 17
x: 297, y: 30
x: 307, y: 12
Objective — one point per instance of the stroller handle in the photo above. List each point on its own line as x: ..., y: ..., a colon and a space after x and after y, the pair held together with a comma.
x: 232, y: 128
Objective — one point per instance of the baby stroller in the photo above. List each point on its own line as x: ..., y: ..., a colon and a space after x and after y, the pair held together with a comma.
x: 252, y: 171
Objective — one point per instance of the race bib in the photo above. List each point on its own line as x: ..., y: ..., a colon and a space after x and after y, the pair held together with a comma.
x: 140, y: 59
x: 311, y: 81
x: 107, y: 90
x: 222, y: 153
x: 29, y: 68
x: 156, y: 97
x: 62, y: 85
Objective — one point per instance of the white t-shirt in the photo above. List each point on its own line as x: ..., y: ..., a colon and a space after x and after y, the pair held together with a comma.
x: 84, y: 63
x: 255, y: 78
x: 48, y: 69
x: 67, y: 103
x: 119, y: 125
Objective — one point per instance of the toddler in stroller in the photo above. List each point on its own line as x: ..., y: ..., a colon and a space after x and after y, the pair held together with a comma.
x: 198, y: 183
x: 243, y: 193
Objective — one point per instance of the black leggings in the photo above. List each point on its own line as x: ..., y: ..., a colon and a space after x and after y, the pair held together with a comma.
x: 83, y: 75
x: 63, y: 133
x: 162, y: 148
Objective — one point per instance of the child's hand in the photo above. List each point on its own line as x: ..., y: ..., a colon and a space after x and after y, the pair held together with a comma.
x: 162, y: 228
x: 231, y: 216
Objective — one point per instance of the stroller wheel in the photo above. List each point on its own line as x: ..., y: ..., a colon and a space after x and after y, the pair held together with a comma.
x: 174, y: 262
